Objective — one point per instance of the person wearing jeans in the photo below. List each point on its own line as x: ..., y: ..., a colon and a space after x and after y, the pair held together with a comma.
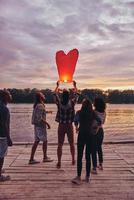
x: 5, y: 139
x: 100, y: 137
x: 100, y: 110
x: 83, y: 121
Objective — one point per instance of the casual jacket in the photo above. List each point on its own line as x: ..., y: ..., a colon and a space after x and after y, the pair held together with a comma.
x: 4, y: 120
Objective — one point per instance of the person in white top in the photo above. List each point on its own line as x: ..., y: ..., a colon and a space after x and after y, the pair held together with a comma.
x: 100, y: 109
x: 40, y: 127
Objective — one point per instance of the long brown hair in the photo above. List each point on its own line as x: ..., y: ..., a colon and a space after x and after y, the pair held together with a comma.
x: 86, y: 114
x: 99, y: 105
x: 86, y: 106
x: 39, y: 98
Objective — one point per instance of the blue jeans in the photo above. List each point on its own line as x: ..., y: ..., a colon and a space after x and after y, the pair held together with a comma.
x: 81, y: 144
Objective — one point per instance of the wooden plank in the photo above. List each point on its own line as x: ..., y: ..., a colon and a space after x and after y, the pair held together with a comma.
x: 44, y: 181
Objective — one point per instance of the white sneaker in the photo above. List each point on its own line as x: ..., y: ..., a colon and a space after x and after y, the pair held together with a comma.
x: 77, y: 180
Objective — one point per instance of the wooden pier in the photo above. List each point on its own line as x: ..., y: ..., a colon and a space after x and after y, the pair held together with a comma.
x: 43, y: 181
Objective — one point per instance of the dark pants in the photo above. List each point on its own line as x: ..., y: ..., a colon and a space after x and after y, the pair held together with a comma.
x: 94, y: 151
x: 81, y: 144
x: 100, y: 137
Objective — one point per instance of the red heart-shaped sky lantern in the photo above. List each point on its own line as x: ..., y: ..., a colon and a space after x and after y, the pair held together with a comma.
x: 66, y: 64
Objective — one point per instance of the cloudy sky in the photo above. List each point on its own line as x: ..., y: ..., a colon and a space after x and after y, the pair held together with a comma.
x: 32, y: 31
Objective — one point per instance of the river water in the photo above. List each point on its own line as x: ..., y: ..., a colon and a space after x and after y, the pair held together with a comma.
x: 119, y: 124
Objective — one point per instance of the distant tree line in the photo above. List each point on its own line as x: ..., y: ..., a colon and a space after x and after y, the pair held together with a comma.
x: 110, y: 96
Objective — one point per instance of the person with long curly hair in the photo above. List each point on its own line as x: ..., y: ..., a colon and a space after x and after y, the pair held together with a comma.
x: 100, y: 110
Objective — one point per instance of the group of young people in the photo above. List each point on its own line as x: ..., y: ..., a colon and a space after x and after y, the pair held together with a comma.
x: 88, y: 122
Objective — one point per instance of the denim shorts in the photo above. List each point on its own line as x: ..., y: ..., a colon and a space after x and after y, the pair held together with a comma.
x: 40, y: 134
x: 64, y: 129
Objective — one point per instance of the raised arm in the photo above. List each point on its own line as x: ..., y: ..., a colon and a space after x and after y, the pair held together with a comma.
x: 75, y: 94
x: 56, y: 92
x: 75, y: 87
x: 57, y: 87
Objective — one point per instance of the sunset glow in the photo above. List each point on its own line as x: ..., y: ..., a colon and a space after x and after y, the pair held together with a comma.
x: 33, y: 31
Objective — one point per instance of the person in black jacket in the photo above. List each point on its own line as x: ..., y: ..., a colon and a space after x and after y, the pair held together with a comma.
x: 5, y: 139
x: 84, y: 119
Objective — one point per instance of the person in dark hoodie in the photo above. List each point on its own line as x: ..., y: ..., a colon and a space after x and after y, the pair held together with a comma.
x: 84, y: 119
x: 5, y: 139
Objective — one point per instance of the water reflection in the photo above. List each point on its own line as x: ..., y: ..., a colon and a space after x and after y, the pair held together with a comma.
x: 118, y: 126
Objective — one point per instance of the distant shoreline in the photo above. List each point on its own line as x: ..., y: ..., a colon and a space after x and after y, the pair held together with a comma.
x: 110, y: 96
x: 118, y: 127
x: 77, y: 103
